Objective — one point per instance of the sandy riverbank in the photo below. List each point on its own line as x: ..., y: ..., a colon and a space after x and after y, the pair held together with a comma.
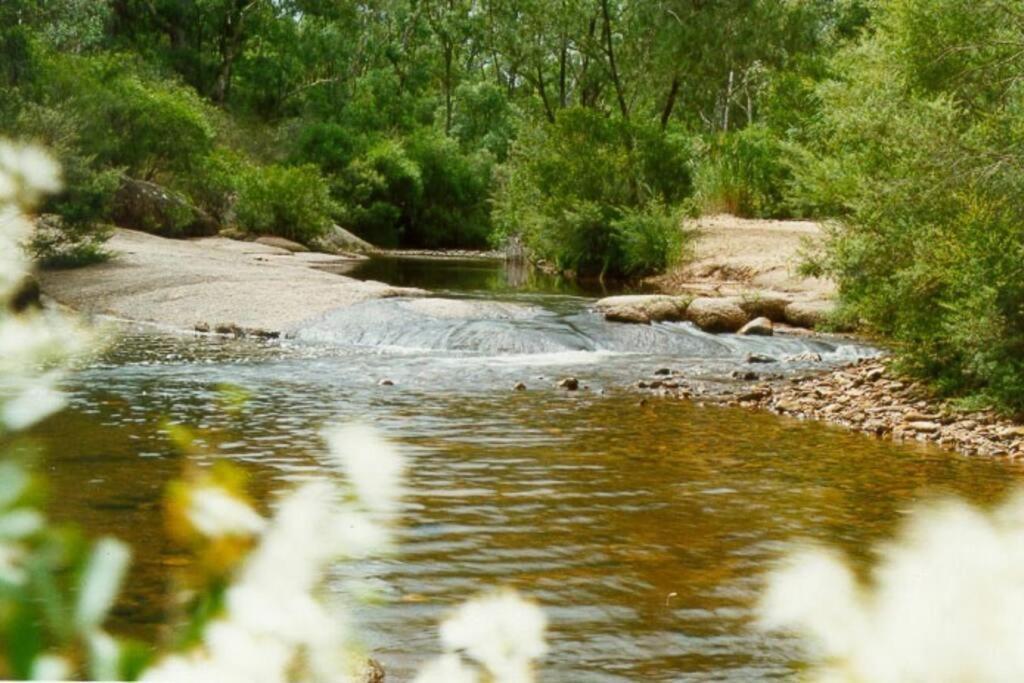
x: 212, y: 281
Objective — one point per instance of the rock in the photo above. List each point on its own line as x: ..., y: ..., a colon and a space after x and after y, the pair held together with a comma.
x: 805, y: 357
x: 809, y: 314
x: 386, y: 383
x: 663, y: 371
x: 338, y: 240
x: 765, y: 304
x: 519, y: 386
x: 202, y: 327
x: 643, y: 308
x: 758, y: 326
x: 760, y: 358
x: 26, y: 295
x: 923, y: 427
x: 745, y: 375
x: 788, y: 406
x: 148, y: 207
x: 228, y: 328
x: 281, y: 243
x: 716, y: 315
x: 569, y: 384
x: 371, y: 672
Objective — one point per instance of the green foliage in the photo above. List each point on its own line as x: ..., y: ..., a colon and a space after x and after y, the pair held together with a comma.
x: 744, y: 173
x: 579, y: 198
x: 289, y: 201
x: 921, y: 156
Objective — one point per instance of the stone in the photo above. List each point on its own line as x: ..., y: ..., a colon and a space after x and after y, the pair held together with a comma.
x: 805, y: 357
x: 760, y: 358
x: 809, y: 314
x: 519, y: 386
x: 386, y: 383
x: 338, y: 240
x: 765, y: 304
x: 716, y: 315
x: 371, y: 672
x: 663, y: 371
x: 569, y: 384
x: 923, y: 427
x: 643, y: 308
x: 202, y: 327
x: 758, y: 326
x: 145, y: 206
x: 281, y: 243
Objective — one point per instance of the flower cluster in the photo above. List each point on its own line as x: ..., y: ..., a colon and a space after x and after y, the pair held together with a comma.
x: 944, y: 603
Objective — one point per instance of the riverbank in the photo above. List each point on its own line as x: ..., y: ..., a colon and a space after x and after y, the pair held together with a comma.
x: 867, y: 396
x: 211, y: 283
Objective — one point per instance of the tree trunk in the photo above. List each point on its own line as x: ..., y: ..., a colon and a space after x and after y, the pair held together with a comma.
x: 670, y: 102
x: 612, y: 67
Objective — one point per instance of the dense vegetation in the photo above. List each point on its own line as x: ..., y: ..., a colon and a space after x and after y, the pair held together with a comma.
x: 582, y: 128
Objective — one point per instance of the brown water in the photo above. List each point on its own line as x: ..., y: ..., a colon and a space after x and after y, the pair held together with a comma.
x: 643, y: 530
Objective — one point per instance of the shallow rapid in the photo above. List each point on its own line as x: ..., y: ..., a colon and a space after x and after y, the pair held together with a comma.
x: 641, y: 527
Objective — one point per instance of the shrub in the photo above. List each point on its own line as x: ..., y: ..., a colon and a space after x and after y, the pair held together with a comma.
x: 289, y: 201
x: 580, y: 198
x: 744, y: 173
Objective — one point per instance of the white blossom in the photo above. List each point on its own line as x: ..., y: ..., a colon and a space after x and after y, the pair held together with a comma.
x: 944, y: 603
x: 501, y: 631
x: 26, y: 172
x: 35, y: 402
x: 448, y: 668
x: 214, y: 512
x: 372, y: 464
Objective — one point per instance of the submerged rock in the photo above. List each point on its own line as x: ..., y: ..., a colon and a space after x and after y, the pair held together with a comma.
x: 643, y: 308
x: 716, y: 315
x: 519, y: 386
x: 569, y: 384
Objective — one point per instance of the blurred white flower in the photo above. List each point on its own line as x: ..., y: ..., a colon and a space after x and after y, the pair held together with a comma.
x: 501, y: 631
x: 215, y: 512
x: 372, y: 464
x: 26, y: 172
x: 447, y: 668
x: 11, y: 570
x: 51, y: 668
x: 35, y: 402
x: 944, y: 603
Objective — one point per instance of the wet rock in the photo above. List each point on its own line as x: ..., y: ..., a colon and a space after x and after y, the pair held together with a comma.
x: 643, y: 308
x: 371, y: 672
x: 761, y: 358
x: 202, y: 327
x: 809, y: 314
x: 745, y: 375
x: 229, y: 329
x: 923, y: 427
x: 663, y: 371
x: 716, y: 315
x: 519, y: 386
x: 281, y: 243
x: 805, y: 357
x: 569, y: 384
x: 386, y: 383
x: 761, y: 327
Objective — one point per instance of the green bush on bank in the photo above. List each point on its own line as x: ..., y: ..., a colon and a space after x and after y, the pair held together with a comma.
x: 744, y: 173
x: 589, y: 194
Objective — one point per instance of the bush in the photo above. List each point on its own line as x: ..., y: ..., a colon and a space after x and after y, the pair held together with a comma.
x: 288, y: 201
x: 744, y: 173
x: 580, y: 198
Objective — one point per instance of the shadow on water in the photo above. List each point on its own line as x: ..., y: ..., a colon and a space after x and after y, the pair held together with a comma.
x: 642, y: 529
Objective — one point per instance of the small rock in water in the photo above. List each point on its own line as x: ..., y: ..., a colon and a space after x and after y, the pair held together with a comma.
x: 519, y: 386
x: 386, y: 383
x: 760, y: 358
x: 663, y: 371
x: 805, y: 357
x: 202, y: 327
x: 569, y: 384
x: 758, y: 326
x: 748, y: 375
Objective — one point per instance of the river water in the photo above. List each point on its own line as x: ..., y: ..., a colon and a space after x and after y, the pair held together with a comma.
x: 642, y: 527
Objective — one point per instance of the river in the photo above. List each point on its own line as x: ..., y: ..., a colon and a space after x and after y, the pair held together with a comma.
x: 641, y: 526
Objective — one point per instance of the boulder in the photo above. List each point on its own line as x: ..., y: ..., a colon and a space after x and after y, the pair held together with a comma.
x: 765, y: 304
x: 643, y: 308
x: 338, y: 240
x: 809, y: 314
x: 716, y: 315
x: 758, y: 326
x: 281, y: 243
x: 145, y: 206
x: 569, y: 384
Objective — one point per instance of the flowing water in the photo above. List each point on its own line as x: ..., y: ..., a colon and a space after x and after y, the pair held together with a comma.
x: 641, y: 527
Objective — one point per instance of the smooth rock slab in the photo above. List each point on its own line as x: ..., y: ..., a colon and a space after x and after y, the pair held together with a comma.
x: 643, y: 308
x: 716, y: 315
x: 809, y: 314
x: 759, y: 327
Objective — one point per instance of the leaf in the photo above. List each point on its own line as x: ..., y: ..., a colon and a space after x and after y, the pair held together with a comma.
x: 100, y: 582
